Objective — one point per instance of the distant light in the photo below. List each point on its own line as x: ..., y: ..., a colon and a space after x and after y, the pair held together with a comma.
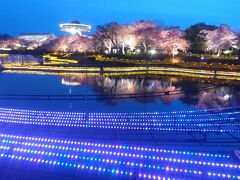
x: 227, y: 52
x: 226, y: 97
x: 153, y: 51
x: 73, y: 31
x: 138, y: 50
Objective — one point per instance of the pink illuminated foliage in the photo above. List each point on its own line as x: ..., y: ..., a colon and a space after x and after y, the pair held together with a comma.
x: 219, y: 39
x: 126, y: 37
x: 146, y: 34
x: 13, y: 43
x: 73, y: 43
x: 107, y: 36
x: 172, y: 41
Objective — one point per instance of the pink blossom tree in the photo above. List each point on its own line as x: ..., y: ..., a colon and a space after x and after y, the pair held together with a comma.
x: 126, y: 37
x: 172, y: 41
x: 102, y: 41
x: 144, y: 25
x: 145, y: 33
x: 107, y: 36
x: 73, y: 43
x: 220, y: 39
x: 14, y: 43
x: 81, y: 44
x: 59, y: 44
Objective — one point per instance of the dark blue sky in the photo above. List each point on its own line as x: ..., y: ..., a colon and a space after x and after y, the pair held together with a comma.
x: 27, y: 16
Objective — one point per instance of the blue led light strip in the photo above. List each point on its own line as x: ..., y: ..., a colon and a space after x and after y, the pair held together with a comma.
x: 136, y: 161
x: 173, y: 113
x: 106, y: 122
x: 107, y: 146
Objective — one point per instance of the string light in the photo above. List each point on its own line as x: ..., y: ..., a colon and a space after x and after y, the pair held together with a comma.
x: 126, y: 160
x: 115, y: 159
x: 101, y: 145
x: 210, y: 111
x: 12, y: 118
x: 122, y: 121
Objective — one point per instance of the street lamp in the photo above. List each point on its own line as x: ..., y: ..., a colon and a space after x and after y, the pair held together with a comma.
x: 152, y: 52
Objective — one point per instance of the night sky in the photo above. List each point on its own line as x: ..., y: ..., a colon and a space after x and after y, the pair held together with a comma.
x: 29, y: 16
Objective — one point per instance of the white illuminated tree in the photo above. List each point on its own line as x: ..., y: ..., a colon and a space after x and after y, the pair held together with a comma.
x: 126, y: 37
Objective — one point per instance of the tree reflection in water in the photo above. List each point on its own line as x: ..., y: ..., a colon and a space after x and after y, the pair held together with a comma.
x: 167, y: 89
x: 20, y: 59
x: 219, y: 98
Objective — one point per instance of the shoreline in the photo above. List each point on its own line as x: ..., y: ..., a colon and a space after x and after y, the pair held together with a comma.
x: 121, y: 71
x: 62, y: 64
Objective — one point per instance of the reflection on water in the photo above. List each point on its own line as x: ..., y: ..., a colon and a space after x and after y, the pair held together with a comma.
x: 167, y: 89
x: 20, y: 59
x: 221, y: 97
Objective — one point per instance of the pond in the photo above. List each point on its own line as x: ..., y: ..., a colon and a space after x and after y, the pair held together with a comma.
x: 20, y: 59
x: 115, y: 94
x: 118, y: 127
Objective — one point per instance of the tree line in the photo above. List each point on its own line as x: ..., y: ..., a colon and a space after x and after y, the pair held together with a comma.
x: 142, y: 37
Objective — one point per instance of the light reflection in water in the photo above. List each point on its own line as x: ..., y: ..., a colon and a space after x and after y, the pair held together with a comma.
x: 168, y: 90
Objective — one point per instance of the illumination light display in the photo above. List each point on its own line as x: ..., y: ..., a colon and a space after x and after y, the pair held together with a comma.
x: 185, y: 121
x: 117, y: 159
x: 132, y: 161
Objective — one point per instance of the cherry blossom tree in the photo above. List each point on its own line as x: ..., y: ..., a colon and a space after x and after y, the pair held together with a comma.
x: 144, y: 25
x: 14, y: 44
x: 59, y: 44
x: 126, y: 37
x: 101, y: 41
x: 145, y: 34
x: 172, y: 41
x: 107, y: 35
x: 219, y: 39
x: 81, y: 44
x: 73, y: 43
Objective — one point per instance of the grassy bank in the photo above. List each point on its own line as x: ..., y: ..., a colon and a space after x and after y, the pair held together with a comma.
x: 118, y: 71
x: 68, y: 63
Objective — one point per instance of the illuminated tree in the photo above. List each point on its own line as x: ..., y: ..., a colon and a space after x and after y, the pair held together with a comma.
x: 146, y: 34
x: 73, y: 43
x: 172, y: 41
x: 198, y: 44
x: 59, y: 44
x: 219, y: 39
x: 117, y: 36
x: 107, y: 35
x: 81, y: 44
x: 144, y: 25
x: 100, y: 42
x: 126, y: 37
x: 14, y: 44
